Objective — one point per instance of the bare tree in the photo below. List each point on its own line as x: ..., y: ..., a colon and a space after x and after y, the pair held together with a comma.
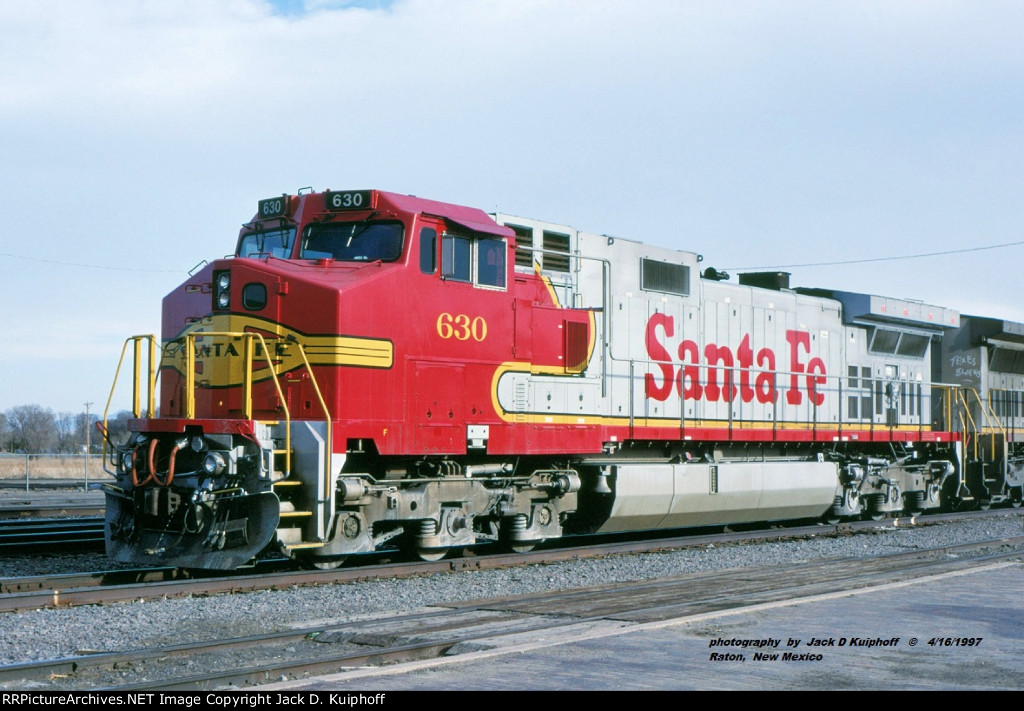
x: 31, y: 428
x: 66, y: 440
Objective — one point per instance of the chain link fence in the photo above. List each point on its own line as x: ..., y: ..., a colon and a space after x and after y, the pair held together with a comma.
x: 49, y: 471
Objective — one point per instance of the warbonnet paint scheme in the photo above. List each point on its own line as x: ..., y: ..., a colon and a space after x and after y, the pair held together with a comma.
x: 373, y: 370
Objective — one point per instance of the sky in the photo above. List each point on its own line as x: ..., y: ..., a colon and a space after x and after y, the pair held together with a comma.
x: 137, y: 136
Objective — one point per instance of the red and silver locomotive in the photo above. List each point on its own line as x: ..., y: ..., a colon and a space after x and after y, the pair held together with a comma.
x: 373, y: 370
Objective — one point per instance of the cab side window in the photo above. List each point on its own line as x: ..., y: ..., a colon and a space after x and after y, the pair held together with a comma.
x: 455, y: 257
x: 479, y: 261
x: 490, y: 262
x: 428, y: 250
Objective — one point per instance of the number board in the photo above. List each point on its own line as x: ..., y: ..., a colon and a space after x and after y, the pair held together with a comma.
x: 273, y: 207
x: 347, y: 200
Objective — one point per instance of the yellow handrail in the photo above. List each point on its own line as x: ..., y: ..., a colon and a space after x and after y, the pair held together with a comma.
x: 1010, y: 413
x: 327, y: 415
x: 247, y: 336
x: 190, y: 383
x: 151, y: 378
x: 990, y: 416
x: 966, y: 410
x: 947, y: 402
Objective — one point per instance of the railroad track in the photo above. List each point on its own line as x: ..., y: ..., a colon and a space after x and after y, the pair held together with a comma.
x: 90, y: 588
x: 467, y: 630
x: 30, y: 536
x: 18, y: 509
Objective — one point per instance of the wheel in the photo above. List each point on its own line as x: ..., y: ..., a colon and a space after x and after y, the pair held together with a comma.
x: 324, y: 563
x: 914, y: 502
x: 1015, y: 503
x: 984, y: 505
x: 521, y: 547
x: 874, y: 505
x: 430, y: 555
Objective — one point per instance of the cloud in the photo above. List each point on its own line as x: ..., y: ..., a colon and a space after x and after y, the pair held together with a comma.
x: 140, y: 135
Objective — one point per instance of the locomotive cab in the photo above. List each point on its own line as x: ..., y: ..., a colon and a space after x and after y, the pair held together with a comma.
x: 336, y: 370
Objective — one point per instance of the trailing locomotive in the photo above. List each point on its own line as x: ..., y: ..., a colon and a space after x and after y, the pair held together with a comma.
x: 374, y: 370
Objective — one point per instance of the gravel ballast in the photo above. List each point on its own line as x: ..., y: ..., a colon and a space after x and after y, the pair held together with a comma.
x: 51, y: 634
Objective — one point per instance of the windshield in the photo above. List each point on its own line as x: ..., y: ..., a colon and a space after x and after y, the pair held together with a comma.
x: 353, y: 241
x: 276, y: 243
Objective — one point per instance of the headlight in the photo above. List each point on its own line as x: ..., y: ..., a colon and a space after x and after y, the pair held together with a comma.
x: 197, y: 444
x: 127, y: 460
x: 222, y: 290
x: 213, y: 464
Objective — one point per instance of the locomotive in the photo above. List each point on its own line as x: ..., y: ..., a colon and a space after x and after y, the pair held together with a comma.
x: 374, y: 371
